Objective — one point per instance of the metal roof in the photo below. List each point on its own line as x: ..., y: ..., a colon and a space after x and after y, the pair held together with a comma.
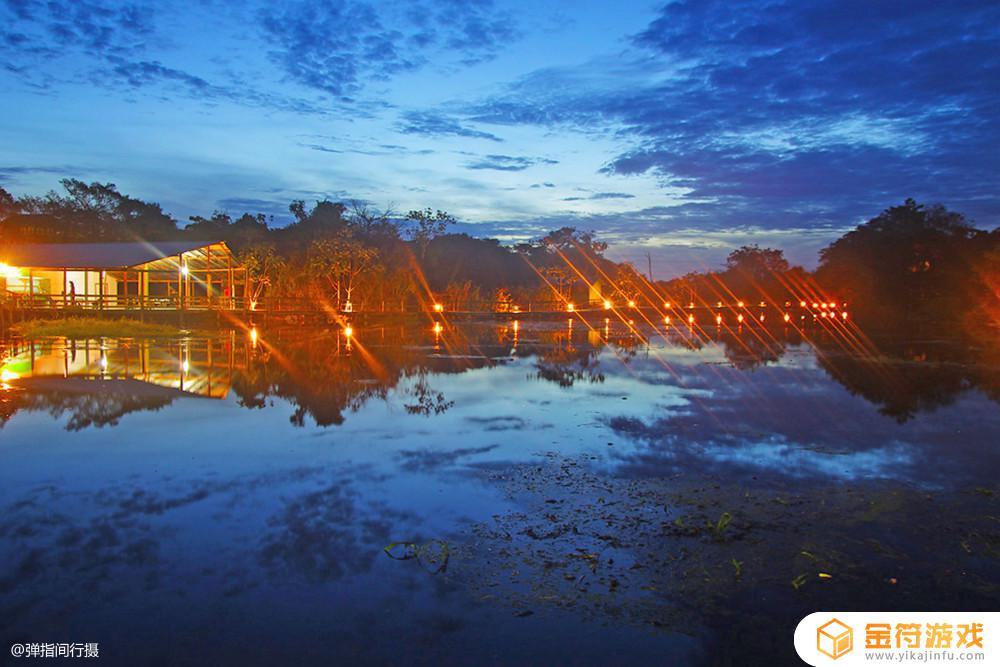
x: 93, y: 255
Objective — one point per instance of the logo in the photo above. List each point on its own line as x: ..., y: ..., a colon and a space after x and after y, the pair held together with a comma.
x: 834, y: 639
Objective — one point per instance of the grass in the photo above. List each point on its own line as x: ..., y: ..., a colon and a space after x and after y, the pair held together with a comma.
x: 92, y: 327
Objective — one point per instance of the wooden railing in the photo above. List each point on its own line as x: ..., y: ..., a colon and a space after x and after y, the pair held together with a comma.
x: 91, y: 302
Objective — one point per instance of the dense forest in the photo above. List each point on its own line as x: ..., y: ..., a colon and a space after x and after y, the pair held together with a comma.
x: 908, y: 266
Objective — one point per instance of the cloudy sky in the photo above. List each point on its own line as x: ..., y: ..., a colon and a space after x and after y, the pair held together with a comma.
x: 681, y: 129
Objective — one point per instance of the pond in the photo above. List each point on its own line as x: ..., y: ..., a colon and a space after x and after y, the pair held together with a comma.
x: 497, y: 492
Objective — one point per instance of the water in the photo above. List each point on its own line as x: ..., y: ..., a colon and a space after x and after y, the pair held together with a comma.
x: 538, y: 494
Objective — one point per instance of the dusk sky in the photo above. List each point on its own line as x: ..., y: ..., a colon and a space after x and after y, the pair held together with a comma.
x: 683, y: 130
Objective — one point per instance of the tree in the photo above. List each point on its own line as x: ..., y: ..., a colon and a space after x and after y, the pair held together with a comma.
x: 8, y: 206
x: 338, y: 260
x: 756, y: 262
x: 263, y: 265
x: 427, y: 224
x: 911, y: 263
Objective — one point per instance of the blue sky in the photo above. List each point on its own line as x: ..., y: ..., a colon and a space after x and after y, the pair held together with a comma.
x: 681, y: 129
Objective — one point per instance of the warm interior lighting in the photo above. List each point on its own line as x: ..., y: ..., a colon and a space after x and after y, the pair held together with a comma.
x: 570, y: 307
x: 7, y: 375
x: 9, y: 272
x: 438, y: 308
x: 607, y: 305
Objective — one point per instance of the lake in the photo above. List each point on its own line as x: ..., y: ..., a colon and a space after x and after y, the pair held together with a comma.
x: 497, y: 492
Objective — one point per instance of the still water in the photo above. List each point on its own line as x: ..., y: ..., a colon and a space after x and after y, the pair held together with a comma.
x: 489, y: 493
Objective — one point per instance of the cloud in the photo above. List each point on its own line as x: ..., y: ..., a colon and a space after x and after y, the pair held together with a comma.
x: 433, y: 124
x: 13, y: 174
x: 507, y: 162
x: 601, y: 195
x: 775, y: 108
x: 340, y: 46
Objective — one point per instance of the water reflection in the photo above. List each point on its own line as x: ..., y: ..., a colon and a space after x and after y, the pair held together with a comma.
x: 325, y: 374
x: 576, y: 473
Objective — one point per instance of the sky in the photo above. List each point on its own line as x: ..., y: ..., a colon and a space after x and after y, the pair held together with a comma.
x: 679, y: 130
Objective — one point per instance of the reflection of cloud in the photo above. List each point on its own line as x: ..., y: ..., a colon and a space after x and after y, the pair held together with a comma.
x: 429, y: 459
x: 793, y: 422
x: 326, y: 534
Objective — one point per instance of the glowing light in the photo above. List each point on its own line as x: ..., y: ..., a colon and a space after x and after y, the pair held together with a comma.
x: 802, y: 304
x: 607, y: 305
x: 815, y: 305
x: 739, y: 304
x: 739, y: 318
x: 691, y: 304
x: 104, y: 362
x: 844, y: 315
x: 438, y: 308
x: 185, y: 366
x: 666, y: 320
x: 823, y: 314
x: 690, y: 319
x: 718, y: 304
x: 253, y: 336
x: 438, y: 328
x: 631, y: 322
x: 9, y: 272
x: 631, y: 303
x: 762, y: 317
x: 570, y: 307
x: 7, y: 375
x: 184, y: 270
x: 348, y: 307
x: 666, y: 305
x: 516, y: 309
x: 253, y: 305
x: 787, y: 317
x: 718, y: 319
x: 763, y: 305
x: 517, y: 325
x: 348, y: 331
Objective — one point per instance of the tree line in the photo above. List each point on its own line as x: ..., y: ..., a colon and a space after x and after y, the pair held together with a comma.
x: 909, y: 266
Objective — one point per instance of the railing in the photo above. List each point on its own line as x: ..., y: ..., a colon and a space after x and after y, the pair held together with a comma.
x: 92, y: 302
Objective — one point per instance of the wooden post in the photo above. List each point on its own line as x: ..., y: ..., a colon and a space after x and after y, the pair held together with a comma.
x: 100, y: 290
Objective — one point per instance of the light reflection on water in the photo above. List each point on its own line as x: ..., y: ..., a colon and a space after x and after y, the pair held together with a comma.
x: 211, y: 478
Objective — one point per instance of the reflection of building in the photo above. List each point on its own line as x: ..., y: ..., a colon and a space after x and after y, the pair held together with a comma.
x: 123, y: 276
x: 203, y: 367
